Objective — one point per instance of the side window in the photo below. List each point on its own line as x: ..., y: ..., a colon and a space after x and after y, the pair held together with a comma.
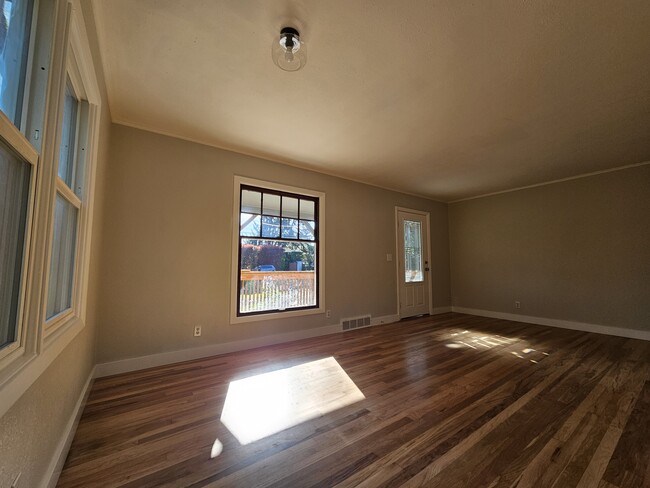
x: 66, y: 209
x: 19, y: 162
x: 15, y: 190
x: 70, y: 235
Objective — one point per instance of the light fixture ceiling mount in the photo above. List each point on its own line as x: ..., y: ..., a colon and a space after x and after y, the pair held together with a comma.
x: 288, y: 50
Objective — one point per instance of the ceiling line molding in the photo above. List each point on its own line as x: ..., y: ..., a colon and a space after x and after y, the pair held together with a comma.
x: 552, y: 182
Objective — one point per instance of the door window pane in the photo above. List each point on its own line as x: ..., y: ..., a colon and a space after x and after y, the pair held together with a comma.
x: 14, y: 201
x: 63, y: 257
x: 413, y: 251
x: 67, y: 158
x: 15, y: 20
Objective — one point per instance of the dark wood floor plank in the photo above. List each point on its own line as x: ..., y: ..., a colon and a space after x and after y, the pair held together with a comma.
x: 451, y: 400
x: 629, y: 465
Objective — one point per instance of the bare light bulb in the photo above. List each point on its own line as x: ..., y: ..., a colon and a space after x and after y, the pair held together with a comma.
x: 288, y: 50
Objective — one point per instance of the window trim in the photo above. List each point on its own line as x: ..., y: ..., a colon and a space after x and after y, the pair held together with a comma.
x: 79, y: 69
x: 17, y: 142
x: 240, y: 181
x: 64, y: 191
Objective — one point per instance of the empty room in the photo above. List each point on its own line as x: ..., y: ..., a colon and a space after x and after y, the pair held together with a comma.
x: 324, y: 244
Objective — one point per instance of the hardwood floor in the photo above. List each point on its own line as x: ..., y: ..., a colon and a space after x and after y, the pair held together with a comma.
x: 450, y: 401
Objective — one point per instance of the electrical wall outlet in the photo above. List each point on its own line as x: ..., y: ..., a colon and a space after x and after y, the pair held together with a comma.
x: 328, y: 314
x: 197, y: 331
x: 517, y: 304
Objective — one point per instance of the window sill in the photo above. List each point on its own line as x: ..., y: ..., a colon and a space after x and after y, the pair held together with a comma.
x: 275, y: 315
x: 58, y: 322
x: 23, y: 371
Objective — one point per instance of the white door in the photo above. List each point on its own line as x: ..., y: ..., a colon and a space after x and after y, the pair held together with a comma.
x: 413, y: 263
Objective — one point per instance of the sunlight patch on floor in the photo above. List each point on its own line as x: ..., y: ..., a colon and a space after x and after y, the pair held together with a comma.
x: 475, y: 340
x: 265, y: 404
x: 480, y: 340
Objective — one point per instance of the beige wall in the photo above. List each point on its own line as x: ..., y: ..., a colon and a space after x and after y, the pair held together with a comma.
x: 167, y: 246
x: 577, y: 250
x: 32, y: 429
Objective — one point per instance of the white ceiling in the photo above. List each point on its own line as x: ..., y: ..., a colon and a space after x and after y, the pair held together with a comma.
x: 445, y: 99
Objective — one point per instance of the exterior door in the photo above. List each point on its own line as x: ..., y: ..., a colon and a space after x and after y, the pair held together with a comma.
x: 413, y: 263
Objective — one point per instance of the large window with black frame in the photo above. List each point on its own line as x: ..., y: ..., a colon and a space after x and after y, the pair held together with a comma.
x: 278, y: 251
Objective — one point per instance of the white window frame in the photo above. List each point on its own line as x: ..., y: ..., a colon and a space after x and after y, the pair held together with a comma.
x: 19, y: 144
x: 26, y: 141
x: 79, y: 70
x: 69, y: 55
x: 234, y: 292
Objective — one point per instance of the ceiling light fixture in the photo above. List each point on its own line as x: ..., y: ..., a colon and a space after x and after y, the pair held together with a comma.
x: 288, y: 50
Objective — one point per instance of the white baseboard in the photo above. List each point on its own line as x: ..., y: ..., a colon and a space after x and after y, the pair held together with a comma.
x: 563, y: 324
x: 161, y: 359
x: 53, y: 472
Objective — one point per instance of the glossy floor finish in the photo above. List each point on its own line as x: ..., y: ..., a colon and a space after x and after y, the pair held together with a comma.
x: 446, y: 401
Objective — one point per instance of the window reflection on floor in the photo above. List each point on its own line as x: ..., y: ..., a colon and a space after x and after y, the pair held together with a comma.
x: 262, y: 405
x: 481, y: 341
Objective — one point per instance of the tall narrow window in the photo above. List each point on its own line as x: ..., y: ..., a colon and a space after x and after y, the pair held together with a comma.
x: 278, y: 251
x: 67, y: 207
x: 18, y: 165
x: 14, y: 202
